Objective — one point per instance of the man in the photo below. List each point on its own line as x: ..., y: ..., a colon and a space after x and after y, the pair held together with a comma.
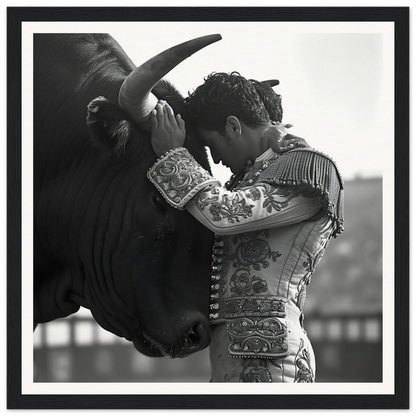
x: 271, y: 228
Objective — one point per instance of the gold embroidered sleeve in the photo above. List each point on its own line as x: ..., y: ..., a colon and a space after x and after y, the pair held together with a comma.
x: 179, y: 177
x: 251, y: 208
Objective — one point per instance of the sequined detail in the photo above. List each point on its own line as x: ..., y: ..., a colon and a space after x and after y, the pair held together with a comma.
x: 265, y: 307
x: 255, y: 371
x: 246, y: 284
x: 301, y: 294
x: 304, y: 373
x: 270, y: 203
x: 257, y: 337
x: 310, y: 266
x: 259, y: 277
x: 178, y: 177
x: 255, y: 253
x: 231, y: 209
x: 252, y: 176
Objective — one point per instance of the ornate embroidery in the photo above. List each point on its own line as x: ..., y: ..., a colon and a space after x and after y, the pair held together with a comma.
x: 310, y: 265
x: 257, y: 337
x: 324, y: 240
x: 253, y: 193
x: 242, y: 283
x: 254, y: 253
x: 255, y: 172
x: 255, y: 371
x: 178, y: 177
x: 256, y: 325
x: 230, y: 208
x: 301, y: 294
x: 251, y: 235
x: 261, y: 307
x: 202, y: 200
x: 304, y: 373
x: 245, y: 284
x: 270, y: 203
x: 250, y: 252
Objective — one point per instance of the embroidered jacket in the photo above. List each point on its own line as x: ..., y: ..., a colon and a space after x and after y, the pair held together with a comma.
x: 271, y: 231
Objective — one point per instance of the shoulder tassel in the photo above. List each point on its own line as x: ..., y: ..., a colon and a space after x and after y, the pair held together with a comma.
x: 315, y: 171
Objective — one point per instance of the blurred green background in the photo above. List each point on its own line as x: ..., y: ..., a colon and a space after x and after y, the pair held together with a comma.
x: 343, y: 317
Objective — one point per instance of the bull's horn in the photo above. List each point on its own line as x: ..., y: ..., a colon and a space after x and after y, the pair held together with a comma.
x: 135, y: 94
x: 271, y: 82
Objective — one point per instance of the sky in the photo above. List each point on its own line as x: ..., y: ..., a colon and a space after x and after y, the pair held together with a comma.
x: 335, y: 79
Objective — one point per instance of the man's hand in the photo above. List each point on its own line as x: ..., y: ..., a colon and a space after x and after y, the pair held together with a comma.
x: 168, y: 131
x: 281, y: 141
x: 290, y: 142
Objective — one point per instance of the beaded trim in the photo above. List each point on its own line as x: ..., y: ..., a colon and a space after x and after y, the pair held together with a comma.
x: 252, y: 337
x: 219, y: 269
x: 257, y: 306
x: 179, y: 177
x: 315, y: 170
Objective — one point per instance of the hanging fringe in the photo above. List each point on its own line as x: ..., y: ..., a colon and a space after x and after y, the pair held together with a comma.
x: 313, y: 172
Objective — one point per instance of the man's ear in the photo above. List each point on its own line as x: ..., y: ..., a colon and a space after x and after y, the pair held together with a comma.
x: 233, y: 126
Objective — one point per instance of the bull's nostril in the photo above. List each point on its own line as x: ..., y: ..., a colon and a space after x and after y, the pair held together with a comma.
x: 198, y: 337
x: 193, y: 338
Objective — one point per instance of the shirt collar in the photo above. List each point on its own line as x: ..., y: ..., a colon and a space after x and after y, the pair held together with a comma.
x: 268, y: 154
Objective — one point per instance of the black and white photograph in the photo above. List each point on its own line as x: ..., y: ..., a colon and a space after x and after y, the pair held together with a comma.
x: 209, y: 196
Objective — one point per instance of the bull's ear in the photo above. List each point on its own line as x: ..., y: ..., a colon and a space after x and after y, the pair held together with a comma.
x: 109, y: 126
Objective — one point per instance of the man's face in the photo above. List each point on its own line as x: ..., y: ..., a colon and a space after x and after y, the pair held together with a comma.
x: 229, y: 150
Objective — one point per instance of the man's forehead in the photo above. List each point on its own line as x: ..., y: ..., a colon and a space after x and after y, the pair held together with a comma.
x: 207, y: 137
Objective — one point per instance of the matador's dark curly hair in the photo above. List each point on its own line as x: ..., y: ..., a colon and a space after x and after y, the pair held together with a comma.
x: 222, y: 94
x: 271, y: 100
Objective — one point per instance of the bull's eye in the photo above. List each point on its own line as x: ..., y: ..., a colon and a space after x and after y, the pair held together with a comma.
x: 159, y: 204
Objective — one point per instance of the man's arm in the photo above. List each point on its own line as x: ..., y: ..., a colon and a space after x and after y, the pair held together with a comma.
x: 184, y: 184
x: 276, y: 201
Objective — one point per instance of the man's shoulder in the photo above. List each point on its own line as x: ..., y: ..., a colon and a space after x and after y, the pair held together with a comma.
x: 304, y: 153
x: 316, y: 173
x: 303, y: 165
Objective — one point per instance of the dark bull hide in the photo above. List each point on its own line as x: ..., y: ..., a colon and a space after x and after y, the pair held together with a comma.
x: 104, y: 239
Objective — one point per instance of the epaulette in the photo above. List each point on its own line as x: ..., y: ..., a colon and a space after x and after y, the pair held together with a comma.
x: 313, y: 171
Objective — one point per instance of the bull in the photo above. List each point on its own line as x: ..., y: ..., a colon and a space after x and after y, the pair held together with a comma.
x: 103, y: 237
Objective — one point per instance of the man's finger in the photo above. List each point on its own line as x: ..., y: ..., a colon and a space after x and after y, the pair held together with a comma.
x: 153, y: 119
x: 169, y: 112
x: 181, y: 124
x: 159, y: 109
x: 292, y: 136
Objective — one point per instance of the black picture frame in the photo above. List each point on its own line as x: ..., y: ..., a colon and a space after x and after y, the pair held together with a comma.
x: 17, y: 400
